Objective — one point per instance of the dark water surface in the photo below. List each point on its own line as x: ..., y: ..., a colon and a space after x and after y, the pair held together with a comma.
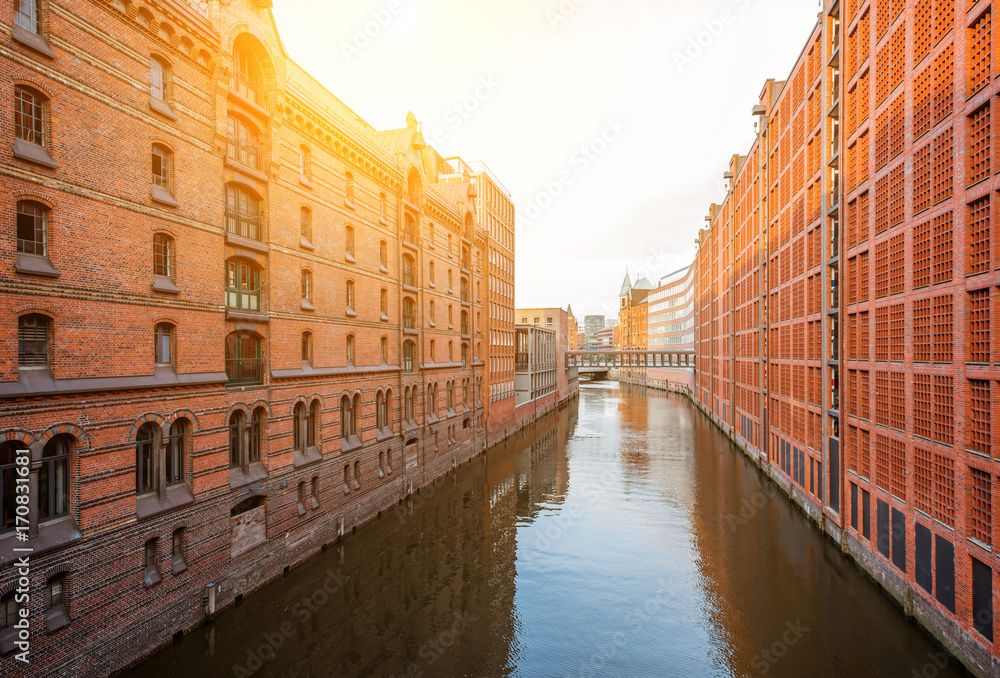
x: 623, y: 539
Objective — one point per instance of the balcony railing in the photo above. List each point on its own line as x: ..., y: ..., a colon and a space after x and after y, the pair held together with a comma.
x: 244, y: 152
x: 244, y: 225
x: 246, y: 85
x: 245, y: 371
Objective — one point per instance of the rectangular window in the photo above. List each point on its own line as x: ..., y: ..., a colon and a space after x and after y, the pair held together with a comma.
x: 943, y: 184
x: 980, y: 414
x: 979, y: 236
x: 978, y: 46
x: 26, y: 15
x: 942, y: 328
x: 979, y: 326
x: 980, y: 506
x: 982, y: 599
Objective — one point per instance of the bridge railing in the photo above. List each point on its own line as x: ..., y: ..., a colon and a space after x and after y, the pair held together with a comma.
x: 629, y: 359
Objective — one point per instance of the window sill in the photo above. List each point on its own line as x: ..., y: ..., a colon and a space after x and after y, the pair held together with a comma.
x: 162, y: 283
x: 29, y: 152
x: 162, y: 107
x: 256, y: 472
x: 383, y: 434
x: 163, y: 196
x: 350, y: 444
x: 383, y: 268
x: 432, y: 324
x: 313, y: 503
x: 240, y: 241
x: 349, y: 258
x: 348, y: 203
x: 260, y: 318
x: 383, y: 317
x: 56, y: 618
x: 246, y: 170
x: 152, y: 578
x: 349, y: 312
x: 310, y: 456
x: 304, y: 242
x: 304, y: 180
x: 382, y: 221
x: 178, y: 566
x: 32, y: 41
x: 33, y: 264
x: 253, y: 108
x: 150, y: 505
x: 52, y: 534
x: 306, y: 305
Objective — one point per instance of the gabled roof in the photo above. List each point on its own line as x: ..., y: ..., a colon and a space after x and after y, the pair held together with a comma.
x: 569, y: 310
x: 642, y: 284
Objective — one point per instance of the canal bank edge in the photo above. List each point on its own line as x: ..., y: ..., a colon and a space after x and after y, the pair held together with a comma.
x: 332, y: 532
x: 915, y: 609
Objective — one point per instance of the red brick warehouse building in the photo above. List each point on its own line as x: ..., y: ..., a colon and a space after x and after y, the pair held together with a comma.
x: 846, y: 290
x: 237, y: 320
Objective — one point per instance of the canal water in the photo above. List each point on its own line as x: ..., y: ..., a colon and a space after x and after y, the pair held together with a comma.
x: 622, y: 538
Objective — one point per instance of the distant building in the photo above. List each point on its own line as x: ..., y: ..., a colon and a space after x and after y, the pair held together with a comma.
x: 671, y: 326
x: 632, y: 322
x: 591, y: 324
x: 573, y: 330
x: 542, y: 380
x: 606, y: 339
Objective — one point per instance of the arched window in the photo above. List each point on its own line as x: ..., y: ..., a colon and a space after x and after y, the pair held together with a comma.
x: 307, y: 285
x: 408, y: 403
x: 451, y: 317
x: 256, y: 435
x: 382, y: 207
x: 451, y: 349
x: 414, y: 187
x: 380, y: 411
x: 349, y: 295
x: 33, y: 332
x: 307, y: 348
x: 243, y: 213
x: 384, y: 344
x: 243, y: 359
x: 242, y: 286
x: 432, y: 352
x: 306, y: 224
x: 451, y: 395
x: 409, y: 275
x: 430, y: 272
x: 29, y: 116
x: 27, y: 15
x: 449, y: 279
x: 432, y: 399
x: 409, y: 356
x: 32, y: 228
x: 313, y: 424
x: 177, y: 444
x: 349, y: 344
x: 163, y: 344
x: 162, y: 158
x: 349, y: 242
x: 464, y: 325
x: 409, y: 314
x: 163, y: 255
x: 346, y: 418
x: 305, y: 162
x: 388, y: 409
x: 53, y: 478
x: 383, y: 254
x: 349, y: 188
x: 145, y: 457
x: 246, y: 80
x: 383, y: 303
x: 158, y: 78
x: 432, y: 314
x: 299, y: 424
x: 465, y: 355
x: 243, y: 143
x: 237, y: 422
x: 8, y: 491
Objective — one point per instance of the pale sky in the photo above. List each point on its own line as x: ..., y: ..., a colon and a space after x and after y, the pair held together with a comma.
x: 659, y: 91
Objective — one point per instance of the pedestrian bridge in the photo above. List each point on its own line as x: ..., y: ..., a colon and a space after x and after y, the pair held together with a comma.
x: 593, y: 362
